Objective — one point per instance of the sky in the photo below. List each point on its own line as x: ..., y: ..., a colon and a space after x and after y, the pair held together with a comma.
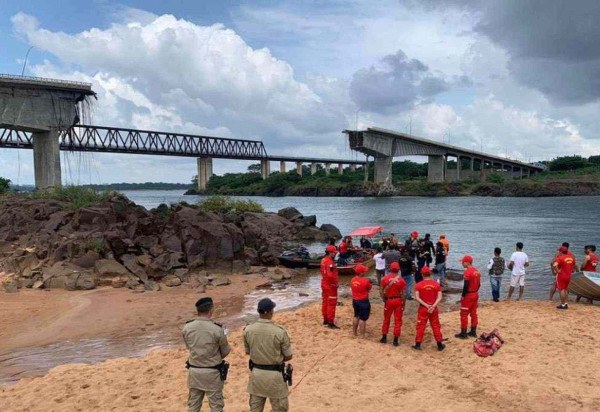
x: 509, y: 77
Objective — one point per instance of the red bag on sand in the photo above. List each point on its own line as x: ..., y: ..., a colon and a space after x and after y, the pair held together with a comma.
x: 488, y: 343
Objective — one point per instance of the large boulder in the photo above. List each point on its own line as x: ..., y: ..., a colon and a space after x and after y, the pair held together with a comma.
x: 110, y: 267
x: 290, y: 213
x: 331, y: 231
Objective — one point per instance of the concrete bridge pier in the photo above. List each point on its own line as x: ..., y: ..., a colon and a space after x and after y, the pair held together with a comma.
x: 282, y: 167
x: 46, y: 159
x: 299, y: 168
x: 313, y: 168
x: 383, y: 170
x: 353, y: 168
x: 340, y: 169
x: 265, y: 168
x: 327, y: 168
x: 205, y: 171
x: 366, y: 169
x: 436, y: 169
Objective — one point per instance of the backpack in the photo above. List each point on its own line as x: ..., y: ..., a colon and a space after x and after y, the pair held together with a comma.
x: 498, y: 267
x: 488, y: 344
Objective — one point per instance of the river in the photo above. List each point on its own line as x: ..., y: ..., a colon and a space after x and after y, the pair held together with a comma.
x: 474, y: 225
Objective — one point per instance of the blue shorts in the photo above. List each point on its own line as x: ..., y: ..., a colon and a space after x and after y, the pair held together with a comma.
x: 362, y: 309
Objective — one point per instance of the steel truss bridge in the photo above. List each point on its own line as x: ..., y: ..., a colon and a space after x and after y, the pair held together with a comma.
x: 87, y: 138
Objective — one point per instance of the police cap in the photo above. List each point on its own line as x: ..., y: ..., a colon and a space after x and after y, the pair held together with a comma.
x: 204, y: 304
x: 265, y: 305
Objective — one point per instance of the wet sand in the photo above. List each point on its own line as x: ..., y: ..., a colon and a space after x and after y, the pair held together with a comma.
x: 548, y: 363
x: 80, y: 325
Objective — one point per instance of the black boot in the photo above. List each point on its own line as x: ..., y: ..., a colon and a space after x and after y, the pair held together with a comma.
x: 441, y: 346
x: 417, y: 346
x: 462, y: 334
x: 333, y: 326
x: 473, y: 331
x: 395, y: 343
x: 383, y: 339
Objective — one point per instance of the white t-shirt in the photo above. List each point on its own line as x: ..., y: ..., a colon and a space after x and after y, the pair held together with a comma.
x: 519, y: 259
x: 379, y: 261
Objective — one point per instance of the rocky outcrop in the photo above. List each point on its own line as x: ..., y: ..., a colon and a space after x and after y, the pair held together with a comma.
x: 44, y: 243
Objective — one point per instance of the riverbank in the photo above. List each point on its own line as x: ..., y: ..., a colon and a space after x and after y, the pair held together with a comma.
x: 545, y: 185
x: 334, y: 371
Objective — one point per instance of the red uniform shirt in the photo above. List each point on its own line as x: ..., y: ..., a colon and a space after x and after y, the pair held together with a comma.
x: 472, y: 276
x: 428, y: 290
x: 395, y: 289
x: 360, y: 288
x: 566, y: 264
x: 329, y: 272
x: 343, y: 247
x: 591, y: 263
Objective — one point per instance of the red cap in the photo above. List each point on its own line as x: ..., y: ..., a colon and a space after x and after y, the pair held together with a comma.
x: 395, y: 267
x: 425, y: 271
x: 467, y: 259
x: 563, y: 249
x: 331, y: 249
x: 360, y: 269
x: 415, y: 234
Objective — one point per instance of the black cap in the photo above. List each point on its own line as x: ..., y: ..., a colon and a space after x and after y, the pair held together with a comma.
x: 204, y: 303
x: 265, y: 305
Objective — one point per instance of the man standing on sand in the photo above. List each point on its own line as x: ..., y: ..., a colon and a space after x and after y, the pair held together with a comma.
x: 429, y: 294
x: 496, y: 268
x: 470, y: 298
x: 518, y: 262
x: 269, y: 348
x: 392, y: 290
x: 407, y: 270
x: 329, y: 287
x: 379, y: 265
x: 563, y: 268
x: 445, y: 242
x: 208, y: 346
x: 360, y: 287
x: 556, y: 255
x: 390, y: 256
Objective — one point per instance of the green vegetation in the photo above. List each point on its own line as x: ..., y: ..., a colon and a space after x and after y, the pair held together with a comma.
x: 225, y: 204
x: 4, y: 185
x: 498, y: 178
x: 349, y: 183
x: 76, y: 196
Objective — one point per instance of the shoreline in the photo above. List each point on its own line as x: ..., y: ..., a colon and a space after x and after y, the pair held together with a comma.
x: 335, y: 371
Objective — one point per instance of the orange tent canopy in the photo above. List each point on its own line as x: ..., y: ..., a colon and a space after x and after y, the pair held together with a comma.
x: 367, y: 231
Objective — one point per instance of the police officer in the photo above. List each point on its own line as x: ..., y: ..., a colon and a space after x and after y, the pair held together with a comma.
x: 269, y: 347
x: 208, y: 345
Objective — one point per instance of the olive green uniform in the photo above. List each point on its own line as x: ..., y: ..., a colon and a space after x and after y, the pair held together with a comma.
x: 208, y: 345
x: 267, y: 344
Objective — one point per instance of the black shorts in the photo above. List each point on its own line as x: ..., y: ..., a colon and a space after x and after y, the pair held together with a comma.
x: 362, y: 309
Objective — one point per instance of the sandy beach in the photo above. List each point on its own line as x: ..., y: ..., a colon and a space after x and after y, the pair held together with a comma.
x: 548, y: 363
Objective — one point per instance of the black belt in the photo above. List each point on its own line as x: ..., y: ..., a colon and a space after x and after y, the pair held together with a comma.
x: 189, y: 365
x: 277, y: 368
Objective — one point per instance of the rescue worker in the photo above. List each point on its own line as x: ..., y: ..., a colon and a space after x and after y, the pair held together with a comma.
x: 556, y: 255
x: 360, y: 287
x: 412, y: 244
x: 445, y: 242
x: 429, y: 294
x: 208, y: 346
x: 470, y: 298
x: 329, y: 287
x: 563, y: 268
x: 590, y: 263
x: 393, y: 293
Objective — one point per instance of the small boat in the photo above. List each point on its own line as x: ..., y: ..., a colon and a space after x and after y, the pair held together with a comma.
x: 586, y: 284
x: 299, y: 258
x: 359, y: 256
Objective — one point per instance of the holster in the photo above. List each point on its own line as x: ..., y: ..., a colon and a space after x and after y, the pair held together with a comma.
x: 223, y: 368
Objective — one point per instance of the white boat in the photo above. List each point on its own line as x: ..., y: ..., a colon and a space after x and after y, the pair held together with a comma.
x: 586, y: 284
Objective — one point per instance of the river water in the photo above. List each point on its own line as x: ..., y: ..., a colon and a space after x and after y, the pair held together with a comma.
x: 473, y: 225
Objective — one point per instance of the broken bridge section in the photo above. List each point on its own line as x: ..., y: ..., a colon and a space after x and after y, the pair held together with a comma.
x: 383, y: 145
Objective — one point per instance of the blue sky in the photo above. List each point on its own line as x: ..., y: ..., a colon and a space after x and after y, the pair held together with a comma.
x: 506, y: 75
